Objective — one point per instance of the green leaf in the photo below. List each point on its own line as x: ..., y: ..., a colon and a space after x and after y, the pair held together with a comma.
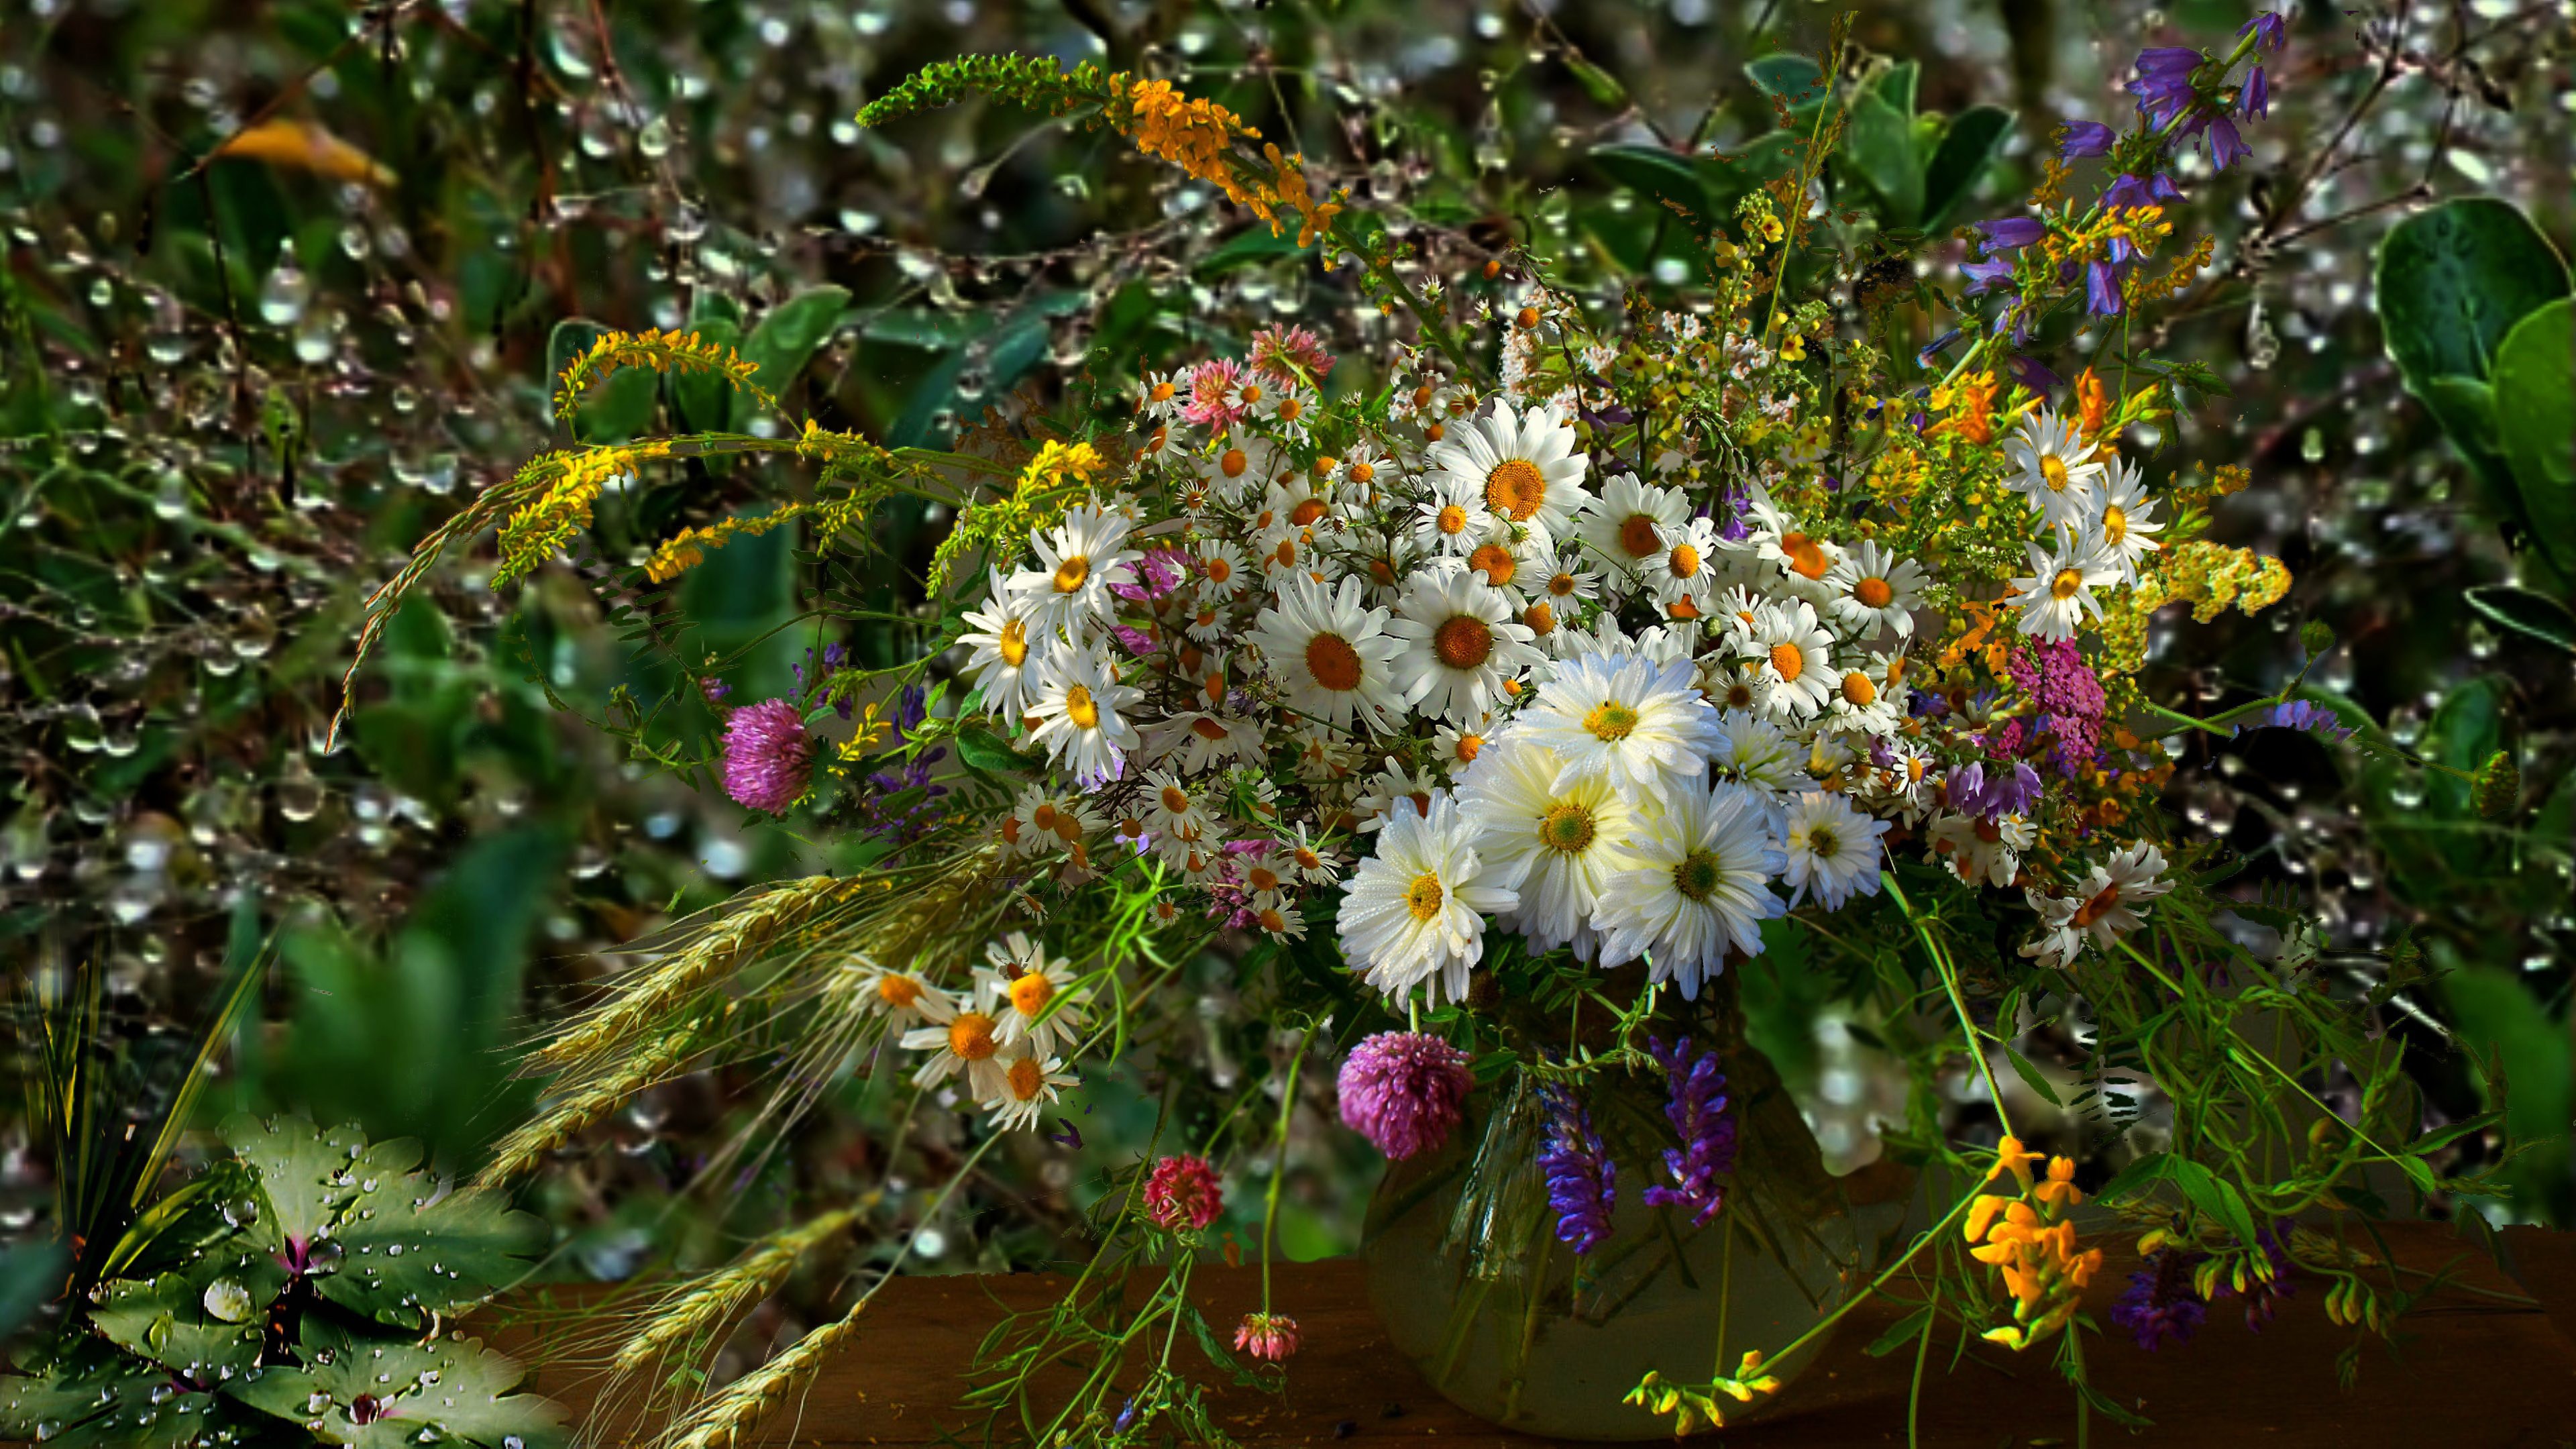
x: 1792, y: 80
x: 1879, y: 143
x: 307, y: 1175
x: 2502, y: 1021
x: 611, y: 411
x: 1967, y: 149
x: 449, y: 1385
x: 204, y: 1323
x: 703, y: 400
x: 2526, y: 612
x: 94, y: 1397
x: 785, y: 339
x: 1601, y: 85
x: 2031, y: 1078
x: 1902, y: 1332
x: 1663, y: 176
x: 414, y: 1243
x: 984, y: 750
x: 2466, y: 409
x: 1896, y: 85
x: 2535, y: 416
x: 31, y: 1274
x: 2453, y: 280
x: 2204, y: 1189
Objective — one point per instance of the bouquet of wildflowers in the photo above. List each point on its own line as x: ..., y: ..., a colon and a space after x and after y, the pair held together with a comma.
x: 1552, y: 656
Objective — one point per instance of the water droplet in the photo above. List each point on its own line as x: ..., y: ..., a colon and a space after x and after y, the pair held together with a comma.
x: 228, y: 1300
x: 655, y: 139
x: 283, y: 296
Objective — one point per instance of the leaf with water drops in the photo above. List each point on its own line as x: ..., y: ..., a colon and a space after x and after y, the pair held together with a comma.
x: 417, y: 1243
x: 202, y: 1324
x: 310, y: 1176
x: 94, y: 1397
x: 373, y: 1395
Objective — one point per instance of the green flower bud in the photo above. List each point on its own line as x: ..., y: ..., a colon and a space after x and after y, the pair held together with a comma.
x: 2496, y: 788
x: 2316, y: 636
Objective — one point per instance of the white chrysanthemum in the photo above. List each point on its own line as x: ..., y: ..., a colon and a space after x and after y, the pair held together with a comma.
x: 1624, y: 718
x: 2056, y: 471
x: 1027, y: 994
x: 1690, y: 885
x: 1871, y: 588
x: 1555, y: 846
x: 1829, y: 850
x: 1462, y: 641
x: 2124, y: 531
x: 1077, y: 560
x: 1981, y: 851
x: 1008, y: 648
x: 901, y: 997
x: 2103, y: 906
x: 1333, y: 659
x: 2057, y: 595
x: 1028, y: 1086
x: 1752, y: 750
x: 1414, y: 914
x: 1525, y: 467
x: 1453, y: 519
x: 970, y: 1042
x: 1624, y: 527
x: 1795, y: 657
x: 1078, y: 713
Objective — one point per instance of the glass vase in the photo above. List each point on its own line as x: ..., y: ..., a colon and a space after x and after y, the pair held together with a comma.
x: 1508, y: 1323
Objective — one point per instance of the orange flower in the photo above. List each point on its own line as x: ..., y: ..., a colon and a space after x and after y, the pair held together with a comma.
x: 2093, y: 402
x: 1972, y: 403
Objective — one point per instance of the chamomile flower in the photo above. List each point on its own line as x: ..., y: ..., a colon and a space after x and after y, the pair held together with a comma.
x: 1777, y: 538
x: 1312, y: 861
x: 1028, y: 1086
x: 1979, y: 850
x: 1280, y: 921
x: 1462, y: 645
x: 1176, y: 808
x: 1048, y: 820
x: 1203, y: 740
x: 1237, y: 465
x: 1395, y: 790
x: 1872, y: 589
x: 2057, y: 595
x: 2055, y: 471
x: 1360, y: 467
x: 1684, y: 573
x: 1332, y: 658
x: 1220, y: 568
x: 969, y: 1042
x: 1162, y: 395
x: 1290, y: 412
x: 1691, y: 885
x: 1508, y: 564
x: 1828, y: 849
x: 2124, y: 531
x: 1795, y: 657
x: 1554, y: 845
x: 1027, y: 995
x: 1860, y: 704
x: 1008, y: 647
x: 1077, y: 560
x: 1624, y: 527
x: 1414, y: 912
x: 1452, y: 519
x: 1078, y: 716
x: 2105, y: 904
x: 1625, y: 718
x: 1525, y: 466
x: 901, y: 997
x: 1457, y: 746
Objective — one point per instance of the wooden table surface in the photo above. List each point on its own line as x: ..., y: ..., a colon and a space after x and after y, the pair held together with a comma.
x: 2468, y: 1372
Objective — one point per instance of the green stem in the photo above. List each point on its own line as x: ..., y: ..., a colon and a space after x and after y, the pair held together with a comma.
x: 1279, y: 1165
x: 1950, y: 984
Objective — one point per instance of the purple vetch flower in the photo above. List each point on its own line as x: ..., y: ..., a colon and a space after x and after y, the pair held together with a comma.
x: 1403, y: 1091
x: 1697, y: 1110
x: 1582, y: 1182
x: 2161, y: 1305
x: 2306, y: 715
x: 768, y: 756
x: 714, y: 690
x: 2086, y: 138
x: 1986, y: 275
x: 2101, y: 289
x: 2010, y: 233
x: 1157, y: 573
x: 1134, y: 640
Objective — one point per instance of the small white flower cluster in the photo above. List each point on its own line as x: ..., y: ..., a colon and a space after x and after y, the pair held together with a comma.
x: 1008, y: 1035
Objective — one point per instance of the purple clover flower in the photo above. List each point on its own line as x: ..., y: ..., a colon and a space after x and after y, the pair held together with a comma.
x: 2161, y: 1306
x: 768, y: 756
x: 1403, y: 1091
x: 1697, y: 1110
x: 1582, y: 1182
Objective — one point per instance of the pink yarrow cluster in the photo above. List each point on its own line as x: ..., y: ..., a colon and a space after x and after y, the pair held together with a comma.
x: 1404, y: 1091
x: 768, y: 756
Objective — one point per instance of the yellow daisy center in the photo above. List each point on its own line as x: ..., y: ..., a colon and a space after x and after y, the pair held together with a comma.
x: 1463, y: 642
x: 1031, y: 993
x: 898, y: 991
x: 1515, y: 488
x: 1788, y: 661
x: 1070, y: 573
x: 1333, y: 662
x: 1014, y: 642
x: 970, y: 1036
x: 1079, y: 708
x: 1566, y: 827
x: 2065, y: 584
x: 1423, y: 896
x: 1611, y: 720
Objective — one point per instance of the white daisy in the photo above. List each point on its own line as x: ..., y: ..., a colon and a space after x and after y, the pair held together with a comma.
x: 901, y: 997
x: 1795, y: 658
x: 1176, y: 808
x: 1979, y: 850
x: 1459, y: 745
x: 1027, y: 994
x: 1859, y: 704
x: 1028, y: 1087
x: 1414, y: 914
x: 1453, y: 518
x: 1203, y: 740
x: 1360, y: 466
x: 1220, y: 568
x: 1048, y: 820
x: 2056, y: 471
x: 1624, y: 527
x: 1555, y: 846
x: 1685, y: 571
x: 1312, y: 861
x: 1777, y: 538
x: 2059, y: 591
x: 1281, y: 921
x: 2104, y: 904
x: 969, y: 1042
x: 1690, y: 885
x: 1238, y: 465
x: 1829, y: 849
x: 1462, y: 644
x: 1290, y: 412
x: 1161, y: 395
x: 1395, y: 791
x: 1333, y: 659
x: 1008, y: 648
x: 1077, y: 710
x: 2124, y: 532
x: 1526, y: 466
x: 1624, y: 718
x: 1872, y: 589
x: 1512, y: 566
x: 1076, y: 562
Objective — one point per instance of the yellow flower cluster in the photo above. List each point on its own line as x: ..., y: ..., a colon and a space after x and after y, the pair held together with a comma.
x: 660, y: 351
x: 1971, y: 404
x: 573, y: 481
x: 2141, y: 287
x: 1198, y: 135
x: 1037, y: 500
x: 2028, y: 1236
x: 2214, y: 578
x: 687, y: 549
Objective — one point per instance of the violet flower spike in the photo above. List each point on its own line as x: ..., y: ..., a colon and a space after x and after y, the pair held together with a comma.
x: 2226, y: 148
x: 2160, y: 1306
x: 1697, y: 1110
x: 1582, y: 1182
